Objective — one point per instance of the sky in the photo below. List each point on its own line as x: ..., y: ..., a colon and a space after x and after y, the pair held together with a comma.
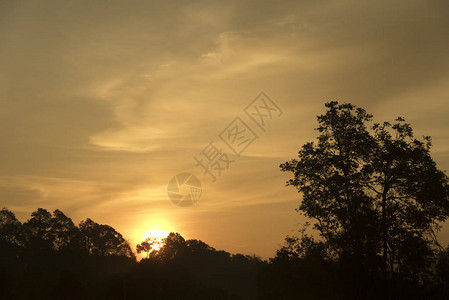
x: 103, y: 102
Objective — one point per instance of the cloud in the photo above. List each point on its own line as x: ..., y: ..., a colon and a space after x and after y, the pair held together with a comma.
x: 102, y: 103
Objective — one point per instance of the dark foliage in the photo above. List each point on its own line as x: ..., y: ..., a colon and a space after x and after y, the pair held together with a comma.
x: 49, y: 257
x: 376, y: 199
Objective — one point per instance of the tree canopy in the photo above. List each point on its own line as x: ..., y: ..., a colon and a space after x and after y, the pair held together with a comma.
x: 373, y: 193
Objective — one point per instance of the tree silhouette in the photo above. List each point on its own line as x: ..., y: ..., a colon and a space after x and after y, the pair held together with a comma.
x: 146, y: 246
x: 38, y: 232
x: 174, y: 247
x: 11, y: 232
x: 103, y: 240
x: 49, y: 257
x: 372, y: 194
x: 92, y: 261
x: 65, y: 233
x: 411, y: 195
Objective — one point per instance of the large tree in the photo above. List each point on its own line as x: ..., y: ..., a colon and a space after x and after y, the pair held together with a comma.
x: 11, y: 232
x: 374, y: 192
x: 103, y: 240
x: 38, y: 232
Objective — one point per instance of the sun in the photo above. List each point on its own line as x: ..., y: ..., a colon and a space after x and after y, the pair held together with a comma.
x: 157, y: 235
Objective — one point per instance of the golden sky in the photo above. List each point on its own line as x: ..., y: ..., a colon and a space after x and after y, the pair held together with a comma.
x: 102, y: 102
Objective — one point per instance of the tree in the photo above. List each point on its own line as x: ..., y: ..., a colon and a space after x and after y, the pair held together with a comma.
x: 38, y: 231
x: 300, y: 270
x: 11, y: 247
x: 373, y: 193
x: 198, y: 246
x: 102, y: 240
x: 174, y: 247
x: 146, y: 246
x: 410, y: 192
x: 10, y: 229
x: 64, y: 231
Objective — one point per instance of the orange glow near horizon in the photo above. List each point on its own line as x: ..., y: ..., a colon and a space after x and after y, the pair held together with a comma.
x: 148, y: 226
x: 158, y: 235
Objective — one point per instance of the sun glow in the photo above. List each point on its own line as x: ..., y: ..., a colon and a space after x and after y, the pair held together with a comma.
x: 157, y: 235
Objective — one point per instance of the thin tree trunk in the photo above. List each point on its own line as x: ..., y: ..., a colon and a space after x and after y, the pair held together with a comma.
x: 385, y: 239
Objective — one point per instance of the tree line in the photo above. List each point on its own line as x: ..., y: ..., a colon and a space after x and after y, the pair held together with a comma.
x: 49, y: 257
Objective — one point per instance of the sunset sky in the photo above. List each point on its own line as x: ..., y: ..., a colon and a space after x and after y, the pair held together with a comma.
x: 103, y: 102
